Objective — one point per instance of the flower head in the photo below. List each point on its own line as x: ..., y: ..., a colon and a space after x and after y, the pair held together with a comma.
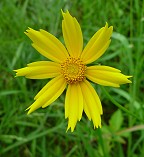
x: 68, y: 68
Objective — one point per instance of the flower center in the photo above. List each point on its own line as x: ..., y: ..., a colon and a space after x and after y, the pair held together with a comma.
x: 73, y: 70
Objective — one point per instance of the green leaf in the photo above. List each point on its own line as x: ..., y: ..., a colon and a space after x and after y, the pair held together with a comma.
x: 116, y: 120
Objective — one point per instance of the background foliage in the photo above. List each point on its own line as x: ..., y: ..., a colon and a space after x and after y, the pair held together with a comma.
x: 42, y: 133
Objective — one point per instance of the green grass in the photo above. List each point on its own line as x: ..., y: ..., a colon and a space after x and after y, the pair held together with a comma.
x: 43, y: 133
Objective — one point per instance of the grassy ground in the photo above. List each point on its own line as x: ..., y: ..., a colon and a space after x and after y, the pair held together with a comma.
x: 42, y: 133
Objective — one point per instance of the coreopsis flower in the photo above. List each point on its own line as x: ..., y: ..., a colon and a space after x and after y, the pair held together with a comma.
x: 68, y: 66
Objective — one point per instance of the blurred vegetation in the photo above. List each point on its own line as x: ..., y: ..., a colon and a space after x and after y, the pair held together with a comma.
x: 43, y: 133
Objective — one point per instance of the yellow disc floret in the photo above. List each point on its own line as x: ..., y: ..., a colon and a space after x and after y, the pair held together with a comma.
x: 73, y: 70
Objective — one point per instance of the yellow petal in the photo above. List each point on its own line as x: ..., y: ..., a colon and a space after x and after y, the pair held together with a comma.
x: 92, y: 108
x: 97, y: 45
x: 39, y: 70
x: 73, y: 105
x: 86, y: 110
x: 48, y: 85
x: 49, y: 94
x: 48, y: 45
x: 72, y: 35
x: 107, y: 76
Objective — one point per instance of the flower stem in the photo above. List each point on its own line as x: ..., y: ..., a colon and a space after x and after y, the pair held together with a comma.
x: 119, y: 105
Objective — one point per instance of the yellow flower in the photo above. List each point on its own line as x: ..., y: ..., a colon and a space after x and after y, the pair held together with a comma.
x: 69, y: 66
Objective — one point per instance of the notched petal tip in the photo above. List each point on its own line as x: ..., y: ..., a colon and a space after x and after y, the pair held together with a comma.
x: 106, y: 25
x: 15, y: 71
x: 72, y: 129
x: 66, y: 15
x: 129, y: 81
x: 109, y: 29
x: 27, y: 30
x: 66, y: 12
x: 97, y: 126
x: 62, y: 12
x: 28, y: 109
x: 71, y: 126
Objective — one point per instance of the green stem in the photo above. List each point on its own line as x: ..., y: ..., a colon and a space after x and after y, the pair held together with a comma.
x: 119, y: 105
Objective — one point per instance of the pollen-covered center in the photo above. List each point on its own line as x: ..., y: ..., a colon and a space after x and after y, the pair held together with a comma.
x: 73, y: 70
